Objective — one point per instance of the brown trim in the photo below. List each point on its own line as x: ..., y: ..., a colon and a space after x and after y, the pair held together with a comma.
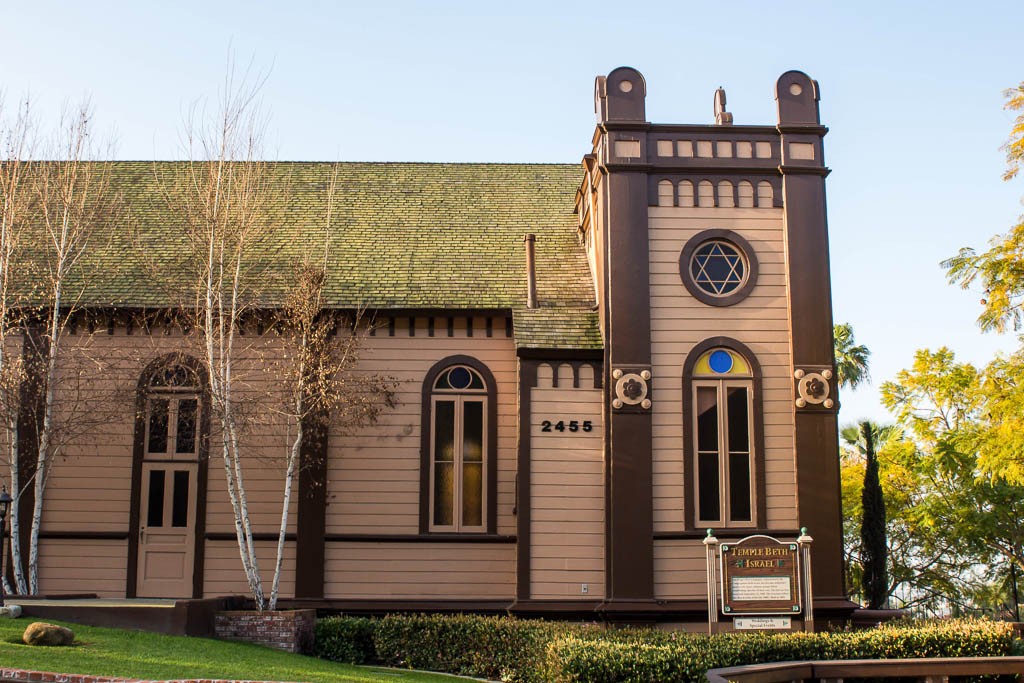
x: 556, y: 609
x: 524, y: 507
x: 715, y: 178
x: 628, y: 448
x: 761, y: 510
x: 589, y: 355
x: 372, y: 607
x: 736, y: 240
x: 811, y: 343
x: 804, y: 170
x: 202, y: 471
x: 311, y: 519
x: 733, y: 132
x: 263, y: 536
x: 723, y: 533
x: 420, y: 538
x: 492, y: 437
x: 84, y: 535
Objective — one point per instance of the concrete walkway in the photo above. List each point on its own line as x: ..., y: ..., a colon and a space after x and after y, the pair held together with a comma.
x: 94, y: 602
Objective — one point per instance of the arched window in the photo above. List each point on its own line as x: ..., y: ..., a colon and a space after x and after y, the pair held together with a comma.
x: 723, y: 447
x: 172, y: 413
x: 460, y: 429
x: 166, y: 523
x: 705, y: 194
x: 666, y: 193
x: 685, y: 193
x: 725, y: 195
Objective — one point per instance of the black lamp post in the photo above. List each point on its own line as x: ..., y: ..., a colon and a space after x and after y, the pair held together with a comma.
x: 5, y: 504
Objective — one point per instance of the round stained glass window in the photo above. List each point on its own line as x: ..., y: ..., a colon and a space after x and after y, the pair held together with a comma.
x: 718, y: 268
x: 720, y: 361
x: 459, y: 378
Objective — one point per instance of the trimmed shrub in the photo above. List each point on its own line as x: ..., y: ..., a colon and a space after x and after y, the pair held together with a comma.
x: 686, y: 658
x: 529, y: 651
x: 346, y: 639
x: 496, y: 648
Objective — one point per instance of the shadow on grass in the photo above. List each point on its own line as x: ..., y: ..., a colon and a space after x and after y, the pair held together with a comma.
x: 16, y: 640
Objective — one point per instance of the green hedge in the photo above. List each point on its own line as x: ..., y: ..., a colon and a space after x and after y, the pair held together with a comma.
x: 686, y: 658
x: 496, y: 648
x: 346, y: 639
x: 526, y: 651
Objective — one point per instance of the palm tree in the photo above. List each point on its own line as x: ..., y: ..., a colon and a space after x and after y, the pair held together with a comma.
x: 851, y: 358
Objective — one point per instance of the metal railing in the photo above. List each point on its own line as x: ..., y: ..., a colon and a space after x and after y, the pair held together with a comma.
x: 937, y: 670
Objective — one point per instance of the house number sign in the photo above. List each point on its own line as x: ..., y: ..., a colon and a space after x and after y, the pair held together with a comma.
x: 567, y: 426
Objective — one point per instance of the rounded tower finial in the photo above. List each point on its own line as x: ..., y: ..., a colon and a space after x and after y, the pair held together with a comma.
x: 796, y: 95
x: 620, y: 95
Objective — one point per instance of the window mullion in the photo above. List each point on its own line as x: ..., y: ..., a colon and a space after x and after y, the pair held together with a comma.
x: 723, y: 455
x: 457, y: 458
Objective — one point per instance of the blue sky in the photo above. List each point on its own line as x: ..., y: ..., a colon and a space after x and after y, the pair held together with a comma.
x: 911, y: 92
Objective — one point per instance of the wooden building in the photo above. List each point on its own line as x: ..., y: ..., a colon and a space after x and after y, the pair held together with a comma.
x: 596, y: 363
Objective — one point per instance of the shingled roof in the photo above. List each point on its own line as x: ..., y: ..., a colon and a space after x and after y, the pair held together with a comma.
x: 402, y: 236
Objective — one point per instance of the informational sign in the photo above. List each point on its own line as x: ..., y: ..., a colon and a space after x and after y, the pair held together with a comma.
x: 763, y: 623
x: 760, y: 575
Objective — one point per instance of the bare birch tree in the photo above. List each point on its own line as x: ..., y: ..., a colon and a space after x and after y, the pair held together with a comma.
x: 320, y: 377
x: 221, y: 198
x: 72, y: 203
x: 15, y: 200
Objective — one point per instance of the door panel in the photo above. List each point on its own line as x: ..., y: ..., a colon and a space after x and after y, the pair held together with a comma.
x: 167, y: 530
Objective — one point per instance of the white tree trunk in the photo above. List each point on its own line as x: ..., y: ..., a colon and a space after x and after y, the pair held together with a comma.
x: 18, y: 569
x: 44, y: 456
x: 293, y: 459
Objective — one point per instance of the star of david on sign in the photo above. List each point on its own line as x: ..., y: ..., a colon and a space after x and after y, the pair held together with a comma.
x: 717, y: 268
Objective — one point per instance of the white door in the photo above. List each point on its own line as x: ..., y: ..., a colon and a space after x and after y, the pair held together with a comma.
x: 167, y: 529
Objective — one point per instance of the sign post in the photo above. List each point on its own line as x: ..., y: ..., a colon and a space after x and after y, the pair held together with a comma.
x: 762, y: 582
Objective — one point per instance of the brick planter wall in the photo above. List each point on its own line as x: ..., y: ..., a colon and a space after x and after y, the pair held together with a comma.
x: 288, y: 630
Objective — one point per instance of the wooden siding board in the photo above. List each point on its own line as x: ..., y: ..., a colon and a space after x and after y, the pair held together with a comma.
x: 567, y: 491
x: 679, y: 322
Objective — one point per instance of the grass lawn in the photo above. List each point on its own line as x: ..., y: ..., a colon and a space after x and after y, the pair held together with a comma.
x: 134, y: 654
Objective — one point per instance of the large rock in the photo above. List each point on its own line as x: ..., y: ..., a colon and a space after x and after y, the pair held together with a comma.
x: 41, y: 633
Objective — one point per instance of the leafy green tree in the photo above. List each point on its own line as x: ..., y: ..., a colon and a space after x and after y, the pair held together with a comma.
x: 999, y: 270
x: 851, y: 358
x: 962, y: 524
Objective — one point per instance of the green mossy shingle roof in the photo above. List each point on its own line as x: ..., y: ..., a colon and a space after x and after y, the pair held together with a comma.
x: 402, y: 236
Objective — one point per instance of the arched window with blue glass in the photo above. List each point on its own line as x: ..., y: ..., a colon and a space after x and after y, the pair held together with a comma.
x: 722, y: 430
x: 459, y: 416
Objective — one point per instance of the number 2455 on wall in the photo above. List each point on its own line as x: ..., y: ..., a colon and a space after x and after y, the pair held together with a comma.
x: 562, y: 425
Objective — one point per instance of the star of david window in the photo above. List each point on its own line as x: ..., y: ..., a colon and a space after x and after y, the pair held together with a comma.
x: 718, y: 267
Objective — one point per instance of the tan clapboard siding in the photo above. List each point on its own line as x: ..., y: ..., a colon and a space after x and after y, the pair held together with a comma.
x: 679, y: 322
x: 566, y: 490
x: 89, y: 487
x: 374, y: 474
x: 76, y: 566
x: 419, y: 570
x: 264, y: 485
x: 680, y: 570
x: 223, y: 574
